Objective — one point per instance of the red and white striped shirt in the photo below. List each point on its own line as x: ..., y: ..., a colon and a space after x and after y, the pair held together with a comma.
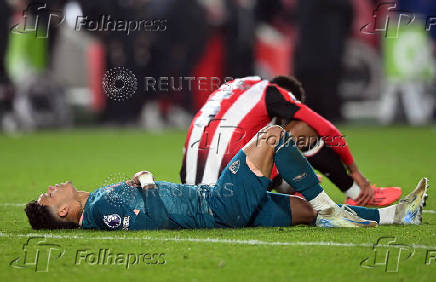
x: 230, y: 118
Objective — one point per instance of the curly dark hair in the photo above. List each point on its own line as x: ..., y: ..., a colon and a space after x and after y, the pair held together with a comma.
x: 40, y: 218
x: 291, y: 84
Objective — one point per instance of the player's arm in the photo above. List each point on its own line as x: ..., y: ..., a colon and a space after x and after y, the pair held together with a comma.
x: 366, y: 193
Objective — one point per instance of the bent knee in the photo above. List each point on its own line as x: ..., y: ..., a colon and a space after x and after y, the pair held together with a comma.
x: 271, y: 134
x: 274, y: 130
x: 302, y: 211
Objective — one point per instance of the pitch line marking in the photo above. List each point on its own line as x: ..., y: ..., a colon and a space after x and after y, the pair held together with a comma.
x: 429, y: 211
x: 211, y: 240
x: 22, y: 205
x: 12, y: 205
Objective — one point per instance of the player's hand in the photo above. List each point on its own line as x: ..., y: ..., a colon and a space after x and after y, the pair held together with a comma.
x: 366, y: 192
x: 134, y: 182
x: 135, y: 179
x: 142, y: 179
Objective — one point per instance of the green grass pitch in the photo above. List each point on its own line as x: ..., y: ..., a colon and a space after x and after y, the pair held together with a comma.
x: 90, y: 158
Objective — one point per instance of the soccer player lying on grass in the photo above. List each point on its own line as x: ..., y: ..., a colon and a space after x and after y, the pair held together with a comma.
x: 238, y: 109
x: 239, y: 198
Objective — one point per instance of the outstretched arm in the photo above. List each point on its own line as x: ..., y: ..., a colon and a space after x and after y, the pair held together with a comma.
x: 366, y: 193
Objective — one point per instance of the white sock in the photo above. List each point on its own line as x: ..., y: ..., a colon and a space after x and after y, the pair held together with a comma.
x: 322, y: 202
x: 387, y: 214
x: 353, y: 192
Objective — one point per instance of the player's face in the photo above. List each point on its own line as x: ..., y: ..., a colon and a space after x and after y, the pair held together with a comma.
x: 58, y: 195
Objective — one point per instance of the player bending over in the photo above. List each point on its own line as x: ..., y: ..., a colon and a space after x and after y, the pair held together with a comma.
x: 239, y: 198
x: 238, y: 109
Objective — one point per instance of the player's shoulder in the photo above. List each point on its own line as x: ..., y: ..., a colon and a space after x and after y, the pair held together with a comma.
x: 113, y: 195
x: 105, y: 207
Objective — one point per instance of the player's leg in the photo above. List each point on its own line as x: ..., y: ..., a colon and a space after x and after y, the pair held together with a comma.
x: 242, y: 185
x: 302, y: 212
x: 282, y: 210
x: 244, y: 179
x: 260, y: 150
x: 327, y: 161
x: 322, y: 158
x: 407, y: 211
x: 296, y: 170
x: 274, y: 144
x: 329, y: 164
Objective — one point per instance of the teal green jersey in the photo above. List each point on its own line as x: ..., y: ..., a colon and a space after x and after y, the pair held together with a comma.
x: 168, y: 206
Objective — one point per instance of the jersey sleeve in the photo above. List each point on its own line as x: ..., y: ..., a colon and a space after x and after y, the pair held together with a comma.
x: 281, y: 104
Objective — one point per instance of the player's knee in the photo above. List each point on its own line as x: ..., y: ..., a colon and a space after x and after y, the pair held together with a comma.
x: 302, y: 211
x: 271, y: 135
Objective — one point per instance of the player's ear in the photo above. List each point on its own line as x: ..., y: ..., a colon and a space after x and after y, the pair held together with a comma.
x: 63, y: 211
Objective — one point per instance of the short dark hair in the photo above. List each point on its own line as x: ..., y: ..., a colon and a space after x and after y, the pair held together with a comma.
x: 40, y: 217
x: 291, y: 84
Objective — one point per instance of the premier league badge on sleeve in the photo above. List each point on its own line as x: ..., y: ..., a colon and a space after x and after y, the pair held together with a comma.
x: 234, y: 167
x: 112, y: 221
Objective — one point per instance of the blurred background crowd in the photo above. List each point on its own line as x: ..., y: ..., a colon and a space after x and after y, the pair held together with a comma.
x: 358, y: 60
